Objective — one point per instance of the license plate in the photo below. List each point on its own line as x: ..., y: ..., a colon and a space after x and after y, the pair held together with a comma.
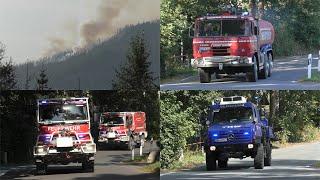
x: 111, y: 135
x: 64, y: 142
x: 221, y: 140
x: 125, y: 138
x: 220, y: 66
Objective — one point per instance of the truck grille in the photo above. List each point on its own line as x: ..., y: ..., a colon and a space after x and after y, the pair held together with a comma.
x: 221, y: 51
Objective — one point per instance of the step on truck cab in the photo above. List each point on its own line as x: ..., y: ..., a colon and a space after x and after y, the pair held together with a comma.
x: 232, y: 43
x: 122, y: 129
x: 237, y: 130
x: 64, y: 134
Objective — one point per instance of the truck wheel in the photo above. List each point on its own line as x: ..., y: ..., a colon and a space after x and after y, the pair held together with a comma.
x: 211, y: 161
x: 205, y: 76
x: 267, y: 159
x: 222, y: 163
x: 88, y: 166
x: 252, y: 76
x: 41, y: 168
x: 259, y: 158
x: 264, y: 73
x: 270, y: 61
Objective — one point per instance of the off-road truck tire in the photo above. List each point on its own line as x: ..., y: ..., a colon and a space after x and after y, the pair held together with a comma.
x: 263, y: 74
x: 252, y: 75
x: 41, y: 169
x: 270, y: 61
x: 267, y: 159
x: 205, y: 76
x: 88, y: 166
x: 211, y: 161
x: 259, y: 158
x: 222, y: 163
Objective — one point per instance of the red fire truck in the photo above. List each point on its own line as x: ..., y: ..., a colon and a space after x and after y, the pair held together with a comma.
x: 232, y: 43
x: 64, y: 134
x: 122, y: 128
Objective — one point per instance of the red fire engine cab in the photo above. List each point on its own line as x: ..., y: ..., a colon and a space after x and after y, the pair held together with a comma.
x: 64, y: 134
x: 232, y: 44
x: 122, y: 128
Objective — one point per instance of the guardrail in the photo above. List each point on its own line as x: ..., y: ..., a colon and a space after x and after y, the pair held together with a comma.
x: 310, y: 58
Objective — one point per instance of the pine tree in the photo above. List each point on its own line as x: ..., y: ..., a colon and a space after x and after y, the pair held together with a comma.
x: 7, y: 74
x: 135, y: 84
x: 42, y: 81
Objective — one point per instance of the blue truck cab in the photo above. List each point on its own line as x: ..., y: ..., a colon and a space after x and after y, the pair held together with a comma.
x: 236, y: 129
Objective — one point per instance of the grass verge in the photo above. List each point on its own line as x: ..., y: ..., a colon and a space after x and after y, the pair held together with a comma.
x: 190, y: 160
x: 317, y: 165
x: 148, y: 168
x: 177, y: 74
x: 315, y: 77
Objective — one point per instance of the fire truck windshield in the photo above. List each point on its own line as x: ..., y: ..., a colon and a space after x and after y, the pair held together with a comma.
x: 226, y: 27
x: 62, y: 112
x: 112, y: 120
x: 233, y: 115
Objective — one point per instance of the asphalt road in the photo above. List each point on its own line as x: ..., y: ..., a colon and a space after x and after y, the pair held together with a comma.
x: 109, y: 164
x: 287, y: 74
x: 295, y: 162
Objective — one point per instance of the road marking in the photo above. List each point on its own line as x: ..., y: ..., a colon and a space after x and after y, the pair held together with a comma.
x: 165, y: 174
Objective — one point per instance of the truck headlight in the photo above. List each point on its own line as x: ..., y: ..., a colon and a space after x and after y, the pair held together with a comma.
x: 40, y: 150
x: 212, y: 148
x: 90, y: 147
x: 250, y: 146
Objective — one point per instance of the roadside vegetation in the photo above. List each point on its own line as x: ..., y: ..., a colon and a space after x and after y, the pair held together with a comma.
x: 296, y: 23
x: 315, y: 77
x: 294, y: 115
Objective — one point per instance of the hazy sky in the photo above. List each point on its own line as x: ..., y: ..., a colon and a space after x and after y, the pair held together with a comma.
x: 34, y: 28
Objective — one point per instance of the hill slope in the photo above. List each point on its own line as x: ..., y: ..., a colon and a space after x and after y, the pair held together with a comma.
x: 94, y: 67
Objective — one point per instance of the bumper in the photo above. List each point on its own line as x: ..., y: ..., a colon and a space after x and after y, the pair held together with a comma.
x: 223, y: 63
x: 233, y: 150
x: 122, y: 139
x: 89, y: 148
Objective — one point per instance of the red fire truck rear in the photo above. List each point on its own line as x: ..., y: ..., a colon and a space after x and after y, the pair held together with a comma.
x: 122, y: 128
x: 64, y: 134
x: 232, y: 43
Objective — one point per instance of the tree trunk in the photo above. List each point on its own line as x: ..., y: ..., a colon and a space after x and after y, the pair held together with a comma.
x: 261, y: 8
x: 253, y: 8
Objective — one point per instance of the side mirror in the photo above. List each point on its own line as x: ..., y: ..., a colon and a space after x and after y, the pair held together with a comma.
x: 207, y: 122
x: 129, y: 122
x: 256, y: 32
x: 264, y: 122
x: 191, y: 31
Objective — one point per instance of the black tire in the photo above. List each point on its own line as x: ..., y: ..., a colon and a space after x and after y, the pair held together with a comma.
x: 205, y: 76
x: 270, y: 61
x: 252, y: 76
x: 88, y: 166
x: 211, y: 161
x: 264, y: 73
x: 222, y: 163
x: 41, y: 169
x: 267, y: 159
x: 259, y: 158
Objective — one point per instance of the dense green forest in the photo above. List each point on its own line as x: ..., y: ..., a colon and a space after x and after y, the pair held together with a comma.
x: 294, y: 115
x: 296, y: 22
x: 18, y: 129
x: 93, y: 67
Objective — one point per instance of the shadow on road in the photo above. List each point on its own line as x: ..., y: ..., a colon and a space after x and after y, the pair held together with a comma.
x: 280, y: 169
x: 153, y: 176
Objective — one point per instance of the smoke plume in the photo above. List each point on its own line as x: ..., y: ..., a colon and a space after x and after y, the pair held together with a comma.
x: 114, y: 14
